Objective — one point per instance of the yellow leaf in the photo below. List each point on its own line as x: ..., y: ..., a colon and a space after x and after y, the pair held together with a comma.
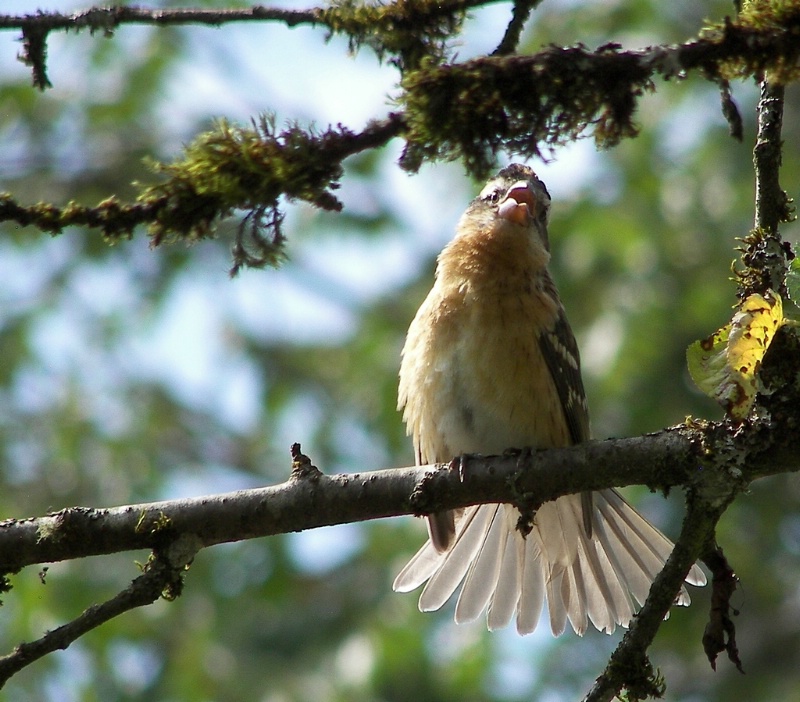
x: 725, y: 365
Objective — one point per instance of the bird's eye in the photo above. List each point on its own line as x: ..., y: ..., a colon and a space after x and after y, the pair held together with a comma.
x: 492, y: 192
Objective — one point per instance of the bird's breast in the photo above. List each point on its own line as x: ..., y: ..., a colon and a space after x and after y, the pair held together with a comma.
x: 473, y: 379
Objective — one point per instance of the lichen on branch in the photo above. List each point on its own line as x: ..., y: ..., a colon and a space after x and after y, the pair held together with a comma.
x: 519, y: 103
x: 245, y: 168
x: 408, y: 31
x: 249, y: 168
x: 230, y: 169
x: 780, y: 22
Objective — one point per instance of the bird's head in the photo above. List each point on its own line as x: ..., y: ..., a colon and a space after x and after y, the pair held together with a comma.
x: 505, y: 227
x: 517, y: 196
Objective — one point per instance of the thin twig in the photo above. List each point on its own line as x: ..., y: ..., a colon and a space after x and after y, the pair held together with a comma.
x: 363, y: 24
x: 765, y: 255
x: 106, y: 19
x: 771, y: 200
x: 161, y: 577
x: 522, y: 10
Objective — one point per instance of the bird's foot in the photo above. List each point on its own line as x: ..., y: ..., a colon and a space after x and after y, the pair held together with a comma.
x: 461, y: 464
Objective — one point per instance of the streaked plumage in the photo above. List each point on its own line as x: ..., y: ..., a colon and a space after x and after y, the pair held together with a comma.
x: 490, y: 363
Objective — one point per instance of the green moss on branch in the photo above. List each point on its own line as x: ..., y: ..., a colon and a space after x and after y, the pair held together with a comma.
x: 519, y: 103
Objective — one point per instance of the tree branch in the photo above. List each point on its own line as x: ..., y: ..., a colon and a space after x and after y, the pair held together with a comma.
x: 765, y: 257
x: 448, y: 114
x: 228, y: 169
x: 772, y: 204
x: 629, y: 666
x: 697, y: 457
x: 522, y: 10
x: 107, y: 19
x: 714, y: 461
x: 452, y: 115
x: 162, y: 577
x: 764, y: 253
x: 408, y: 31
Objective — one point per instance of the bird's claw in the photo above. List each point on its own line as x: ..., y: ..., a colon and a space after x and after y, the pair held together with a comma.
x: 460, y: 463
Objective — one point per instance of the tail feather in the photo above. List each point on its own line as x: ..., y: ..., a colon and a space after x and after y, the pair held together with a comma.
x: 557, y: 526
x: 650, y: 538
x: 422, y: 565
x: 425, y: 562
x: 509, y: 584
x: 441, y: 530
x: 631, y: 559
x: 584, y: 577
x: 607, y: 601
x: 574, y: 592
x: 457, y: 561
x: 532, y: 587
x: 641, y: 548
x: 481, y: 579
x: 610, y: 603
x: 555, y: 601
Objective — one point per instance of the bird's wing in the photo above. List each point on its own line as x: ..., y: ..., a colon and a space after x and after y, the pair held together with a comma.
x: 560, y: 352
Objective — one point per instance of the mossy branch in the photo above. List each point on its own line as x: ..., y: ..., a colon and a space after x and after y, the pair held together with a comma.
x: 468, y: 111
x: 475, y: 109
x: 765, y: 257
x: 406, y: 32
x: 231, y: 168
x: 522, y: 104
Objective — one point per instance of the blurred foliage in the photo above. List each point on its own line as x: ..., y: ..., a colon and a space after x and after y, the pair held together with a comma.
x: 132, y: 375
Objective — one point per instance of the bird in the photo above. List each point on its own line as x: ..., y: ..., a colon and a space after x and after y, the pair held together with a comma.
x: 490, y: 363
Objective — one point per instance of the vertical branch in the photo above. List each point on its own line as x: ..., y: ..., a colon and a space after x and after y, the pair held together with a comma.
x: 521, y: 12
x: 629, y: 666
x: 764, y: 254
x: 771, y: 201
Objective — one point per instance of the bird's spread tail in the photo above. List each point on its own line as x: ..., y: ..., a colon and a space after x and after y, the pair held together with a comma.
x: 602, y: 577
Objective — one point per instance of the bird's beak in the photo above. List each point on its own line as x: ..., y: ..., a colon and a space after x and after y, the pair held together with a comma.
x: 519, y: 205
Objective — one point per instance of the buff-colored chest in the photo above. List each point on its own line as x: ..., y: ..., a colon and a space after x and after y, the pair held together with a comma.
x: 473, y: 378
